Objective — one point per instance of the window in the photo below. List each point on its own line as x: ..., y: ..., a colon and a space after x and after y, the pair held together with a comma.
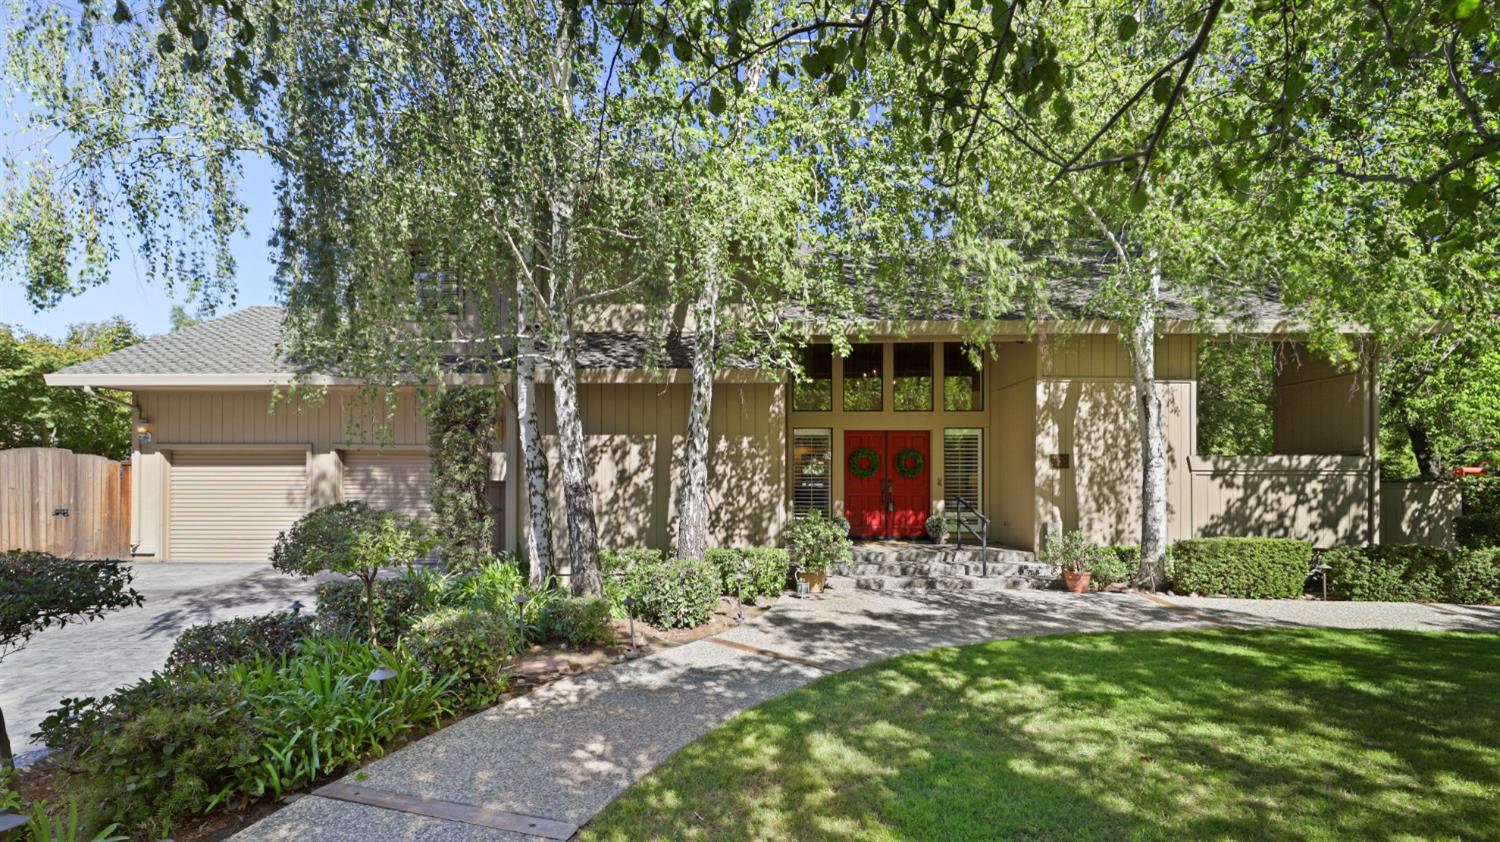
x: 812, y: 455
x: 437, y: 287
x: 961, y: 380
x: 913, y: 366
x: 1235, y: 397
x: 864, y: 384
x: 814, y: 392
x: 963, y: 458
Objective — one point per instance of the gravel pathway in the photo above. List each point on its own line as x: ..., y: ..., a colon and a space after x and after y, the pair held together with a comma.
x: 565, y: 751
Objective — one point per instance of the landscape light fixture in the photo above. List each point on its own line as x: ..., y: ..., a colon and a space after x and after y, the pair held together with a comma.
x: 296, y: 607
x: 629, y: 603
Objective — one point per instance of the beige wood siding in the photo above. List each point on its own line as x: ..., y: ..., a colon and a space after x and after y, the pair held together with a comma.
x: 1319, y: 408
x: 1322, y: 499
x: 635, y: 435
x: 395, y: 482
x: 1011, y: 497
x: 231, y: 505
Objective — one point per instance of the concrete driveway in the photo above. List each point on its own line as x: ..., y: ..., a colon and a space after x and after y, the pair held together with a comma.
x: 91, y: 659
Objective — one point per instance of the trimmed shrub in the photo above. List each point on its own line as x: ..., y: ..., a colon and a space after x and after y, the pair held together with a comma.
x: 1481, y: 494
x: 211, y: 647
x: 399, y: 601
x: 1477, y: 530
x: 1112, y: 565
x: 814, y: 543
x: 471, y: 646
x: 750, y: 573
x: 614, y: 567
x: 675, y: 593
x: 578, y: 621
x: 1253, y: 568
x: 1412, y: 573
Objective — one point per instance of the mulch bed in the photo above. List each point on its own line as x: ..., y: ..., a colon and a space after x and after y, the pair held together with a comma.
x: 537, y: 667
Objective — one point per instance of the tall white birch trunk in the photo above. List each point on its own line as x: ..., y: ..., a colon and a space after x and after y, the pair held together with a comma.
x: 536, y: 543
x: 577, y: 481
x: 1153, y: 446
x: 692, y: 518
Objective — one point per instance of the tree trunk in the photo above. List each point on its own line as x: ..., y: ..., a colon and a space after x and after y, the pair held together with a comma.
x: 537, y: 544
x: 692, y: 523
x: 578, y: 487
x: 1153, y: 447
x: 1421, y: 447
x: 7, y: 757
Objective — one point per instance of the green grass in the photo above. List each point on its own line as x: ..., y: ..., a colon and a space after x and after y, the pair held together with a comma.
x: 1289, y: 734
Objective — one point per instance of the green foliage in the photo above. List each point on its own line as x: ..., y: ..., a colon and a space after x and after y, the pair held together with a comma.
x: 673, y: 593
x: 813, y: 543
x: 750, y: 572
x: 470, y: 646
x: 1481, y: 495
x: 1477, y: 530
x: 1411, y: 573
x: 67, y: 827
x: 38, y: 591
x: 578, y: 621
x: 1116, y: 565
x: 1073, y: 552
x: 1235, y: 397
x: 614, y: 566
x: 399, y: 601
x: 354, y: 539
x: 33, y: 414
x: 492, y: 586
x: 212, y: 647
x: 1251, y: 568
x: 461, y: 427
x: 160, y: 749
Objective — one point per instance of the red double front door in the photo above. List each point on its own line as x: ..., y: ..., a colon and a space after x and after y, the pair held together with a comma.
x: 887, y: 484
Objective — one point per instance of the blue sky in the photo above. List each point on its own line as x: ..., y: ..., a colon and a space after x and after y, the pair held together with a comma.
x: 128, y: 294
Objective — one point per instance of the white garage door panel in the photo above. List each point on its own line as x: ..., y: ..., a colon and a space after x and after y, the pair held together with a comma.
x: 230, y: 506
x: 395, y: 482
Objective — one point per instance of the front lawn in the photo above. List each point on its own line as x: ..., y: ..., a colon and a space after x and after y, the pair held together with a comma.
x: 1307, y: 734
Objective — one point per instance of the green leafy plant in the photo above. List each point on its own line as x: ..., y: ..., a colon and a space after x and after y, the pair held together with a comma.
x: 353, y: 539
x: 398, y: 602
x: 614, y: 566
x: 10, y: 799
x: 39, y: 591
x: 674, y: 593
x: 1411, y: 573
x: 1479, y: 524
x: 460, y: 430
x: 1070, y: 552
x: 1115, y: 565
x: 491, y: 586
x: 43, y: 827
x: 750, y: 573
x: 937, y: 528
x: 1252, y: 568
x: 578, y: 621
x: 470, y: 646
x: 213, y: 646
x: 813, y: 543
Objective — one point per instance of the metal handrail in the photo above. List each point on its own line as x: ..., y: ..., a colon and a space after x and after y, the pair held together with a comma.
x: 984, y: 537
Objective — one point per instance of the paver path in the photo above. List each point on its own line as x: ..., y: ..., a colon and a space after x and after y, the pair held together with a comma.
x: 91, y: 659
x: 566, y: 750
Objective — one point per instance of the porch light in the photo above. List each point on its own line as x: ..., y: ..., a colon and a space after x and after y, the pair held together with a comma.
x: 143, y: 430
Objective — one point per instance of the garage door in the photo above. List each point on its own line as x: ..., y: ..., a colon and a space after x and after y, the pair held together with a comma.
x: 394, y: 482
x: 231, y: 505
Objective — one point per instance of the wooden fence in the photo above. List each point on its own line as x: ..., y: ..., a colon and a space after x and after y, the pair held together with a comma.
x: 64, y: 503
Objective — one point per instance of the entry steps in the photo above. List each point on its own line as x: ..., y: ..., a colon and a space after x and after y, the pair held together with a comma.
x: 880, y: 566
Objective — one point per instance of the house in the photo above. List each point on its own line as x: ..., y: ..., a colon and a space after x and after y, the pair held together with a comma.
x: 1039, y: 435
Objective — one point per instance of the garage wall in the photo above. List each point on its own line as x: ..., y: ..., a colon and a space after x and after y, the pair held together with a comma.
x: 195, y: 421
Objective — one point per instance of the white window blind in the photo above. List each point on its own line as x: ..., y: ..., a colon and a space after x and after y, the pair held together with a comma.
x: 963, y: 458
x: 812, y: 457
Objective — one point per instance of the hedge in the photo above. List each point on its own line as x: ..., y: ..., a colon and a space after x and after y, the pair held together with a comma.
x: 1412, y: 573
x: 1477, y: 530
x: 1112, y: 565
x: 750, y: 573
x: 614, y: 565
x: 212, y: 647
x: 674, y: 593
x: 1252, y: 568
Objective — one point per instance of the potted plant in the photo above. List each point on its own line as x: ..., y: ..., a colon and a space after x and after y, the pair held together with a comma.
x: 1072, y: 554
x: 937, y: 528
x: 812, y: 544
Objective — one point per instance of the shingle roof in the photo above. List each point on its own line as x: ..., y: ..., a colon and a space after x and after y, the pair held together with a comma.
x: 243, y: 342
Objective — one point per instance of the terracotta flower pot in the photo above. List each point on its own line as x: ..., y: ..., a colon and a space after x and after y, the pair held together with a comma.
x: 814, y: 579
x: 1077, y: 581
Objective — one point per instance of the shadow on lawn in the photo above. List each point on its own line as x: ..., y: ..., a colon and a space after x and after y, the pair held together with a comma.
x: 1221, y: 734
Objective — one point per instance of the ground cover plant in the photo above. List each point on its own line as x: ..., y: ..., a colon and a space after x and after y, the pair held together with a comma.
x: 1267, y: 734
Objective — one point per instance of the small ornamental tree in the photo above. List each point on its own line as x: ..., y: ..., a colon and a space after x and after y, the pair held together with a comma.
x: 38, y: 591
x: 461, y: 424
x: 353, y: 539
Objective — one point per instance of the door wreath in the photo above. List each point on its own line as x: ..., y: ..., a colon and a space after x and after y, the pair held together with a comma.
x: 909, y: 463
x: 863, y: 462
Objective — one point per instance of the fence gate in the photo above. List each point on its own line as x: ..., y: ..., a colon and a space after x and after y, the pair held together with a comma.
x: 64, y: 503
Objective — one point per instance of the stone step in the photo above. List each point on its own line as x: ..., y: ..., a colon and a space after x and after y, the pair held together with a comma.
x: 946, y: 554
x: 951, y: 583
x: 939, y: 568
